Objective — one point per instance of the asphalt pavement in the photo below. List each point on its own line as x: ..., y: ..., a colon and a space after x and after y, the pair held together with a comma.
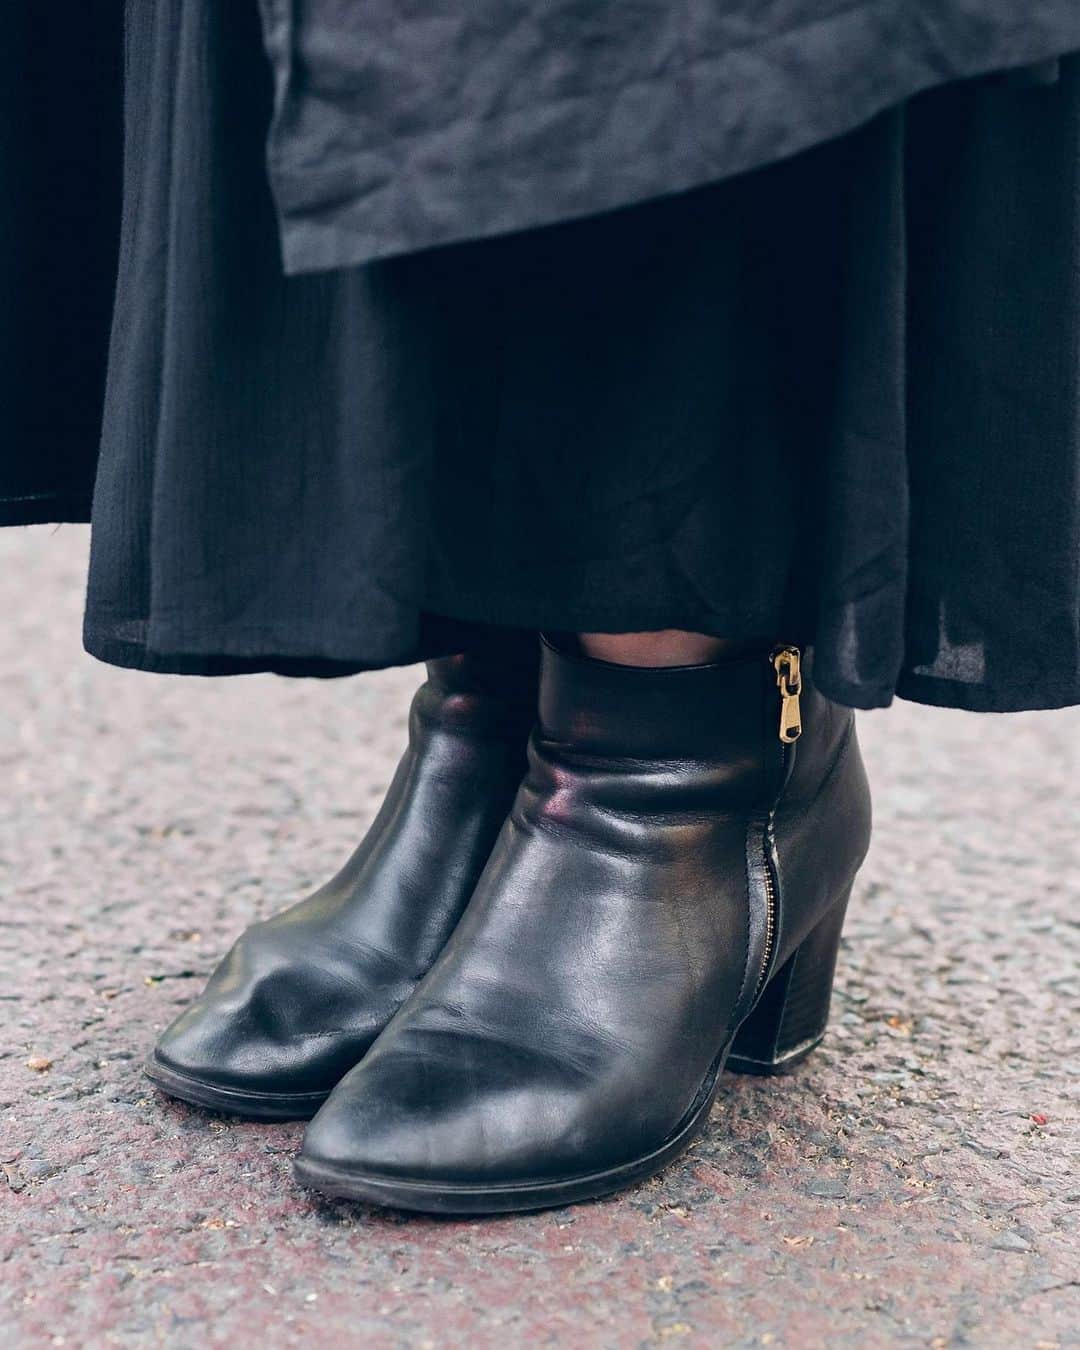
x: 916, y: 1183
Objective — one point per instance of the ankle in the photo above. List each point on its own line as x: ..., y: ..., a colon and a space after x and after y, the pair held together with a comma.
x: 665, y: 647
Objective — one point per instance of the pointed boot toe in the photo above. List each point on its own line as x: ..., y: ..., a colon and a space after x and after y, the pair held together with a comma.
x: 373, y: 1133
x: 205, y: 1059
x: 413, y: 1128
x: 256, y: 1044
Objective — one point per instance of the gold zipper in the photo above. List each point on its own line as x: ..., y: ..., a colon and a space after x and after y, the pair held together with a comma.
x: 770, y: 911
x: 787, y: 662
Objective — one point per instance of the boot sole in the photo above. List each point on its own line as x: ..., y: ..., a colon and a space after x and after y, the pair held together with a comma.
x: 449, y: 1198
x: 232, y: 1101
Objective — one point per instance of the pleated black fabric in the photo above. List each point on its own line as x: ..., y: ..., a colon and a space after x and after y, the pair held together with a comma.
x: 60, y: 134
x: 835, y: 400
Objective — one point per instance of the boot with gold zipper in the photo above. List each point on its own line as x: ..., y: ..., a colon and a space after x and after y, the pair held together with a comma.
x: 665, y: 898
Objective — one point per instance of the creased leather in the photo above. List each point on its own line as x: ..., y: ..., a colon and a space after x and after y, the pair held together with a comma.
x: 575, y: 1014
x: 301, y: 997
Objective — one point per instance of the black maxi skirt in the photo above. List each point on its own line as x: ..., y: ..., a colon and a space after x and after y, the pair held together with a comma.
x: 834, y: 400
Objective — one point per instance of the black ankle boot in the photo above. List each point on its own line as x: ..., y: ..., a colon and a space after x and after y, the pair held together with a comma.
x: 670, y: 884
x: 301, y: 997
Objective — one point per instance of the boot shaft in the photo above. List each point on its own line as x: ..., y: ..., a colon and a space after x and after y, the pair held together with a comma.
x: 734, y: 716
x: 749, y: 740
x: 490, y: 690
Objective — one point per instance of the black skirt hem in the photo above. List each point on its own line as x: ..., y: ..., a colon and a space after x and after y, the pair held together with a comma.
x: 981, y: 698
x: 45, y: 508
x: 445, y: 637
x: 235, y: 653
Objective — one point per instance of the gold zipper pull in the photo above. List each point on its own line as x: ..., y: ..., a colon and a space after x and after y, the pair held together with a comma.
x: 787, y: 662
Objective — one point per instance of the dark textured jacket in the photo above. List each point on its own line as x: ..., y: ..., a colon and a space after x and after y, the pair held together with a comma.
x: 403, y: 126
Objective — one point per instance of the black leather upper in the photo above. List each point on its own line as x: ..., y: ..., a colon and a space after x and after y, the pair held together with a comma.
x: 301, y: 996
x: 617, y: 934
